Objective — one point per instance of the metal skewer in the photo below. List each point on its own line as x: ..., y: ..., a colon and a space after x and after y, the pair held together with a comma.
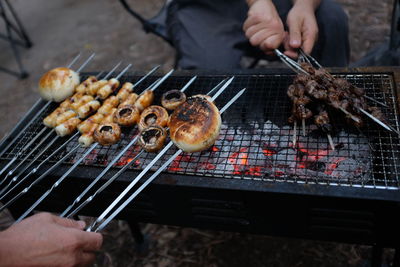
x: 148, y: 167
x: 294, y: 133
x: 331, y: 141
x: 34, y: 170
x: 303, y: 126
x: 74, y: 60
x: 42, y: 131
x: 150, y: 179
x: 376, y: 101
x: 73, y: 167
x: 123, y: 151
x: 375, y: 119
x: 37, y: 180
x: 56, y: 184
x: 39, y: 144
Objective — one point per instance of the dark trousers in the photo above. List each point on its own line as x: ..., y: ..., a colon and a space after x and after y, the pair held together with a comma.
x: 207, y: 34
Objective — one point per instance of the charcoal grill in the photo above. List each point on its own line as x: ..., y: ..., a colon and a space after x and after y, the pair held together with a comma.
x: 253, y: 180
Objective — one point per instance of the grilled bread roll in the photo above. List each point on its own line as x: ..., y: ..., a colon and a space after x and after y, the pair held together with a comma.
x: 195, y: 125
x: 58, y: 84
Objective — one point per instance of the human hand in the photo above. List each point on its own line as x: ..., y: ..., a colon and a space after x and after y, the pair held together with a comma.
x: 303, y: 28
x: 263, y: 26
x: 47, y: 240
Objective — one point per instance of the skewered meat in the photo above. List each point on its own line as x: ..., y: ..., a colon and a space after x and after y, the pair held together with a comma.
x: 153, y: 115
x: 107, y: 134
x: 152, y: 139
x: 77, y: 103
x: 94, y: 87
x: 67, y: 127
x: 323, y: 122
x: 50, y: 120
x: 65, y: 116
x: 126, y: 115
x: 88, y: 108
x: 172, y: 99
x: 58, y: 84
x: 87, y: 138
x: 86, y: 125
x: 108, y: 88
x: 108, y: 105
x: 83, y: 86
x: 125, y: 91
x: 195, y: 125
x: 131, y: 99
x: 144, y: 100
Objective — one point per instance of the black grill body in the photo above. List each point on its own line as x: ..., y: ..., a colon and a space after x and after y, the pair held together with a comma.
x: 312, y: 205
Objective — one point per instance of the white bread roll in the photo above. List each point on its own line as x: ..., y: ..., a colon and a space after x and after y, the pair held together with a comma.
x: 58, y: 84
x: 194, y: 125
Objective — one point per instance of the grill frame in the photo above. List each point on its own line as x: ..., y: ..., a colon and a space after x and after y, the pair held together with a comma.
x: 238, y: 204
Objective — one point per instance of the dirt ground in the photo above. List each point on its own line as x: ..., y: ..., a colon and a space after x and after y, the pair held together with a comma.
x: 61, y: 28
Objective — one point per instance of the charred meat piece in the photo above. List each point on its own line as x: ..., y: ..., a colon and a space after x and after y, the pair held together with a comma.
x: 323, y: 122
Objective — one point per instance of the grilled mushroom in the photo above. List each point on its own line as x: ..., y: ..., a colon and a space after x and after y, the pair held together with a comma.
x: 172, y: 99
x: 153, y: 115
x: 127, y: 115
x: 107, y: 134
x: 152, y: 138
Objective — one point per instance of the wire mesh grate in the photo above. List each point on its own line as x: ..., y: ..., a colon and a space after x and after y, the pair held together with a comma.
x: 256, y: 142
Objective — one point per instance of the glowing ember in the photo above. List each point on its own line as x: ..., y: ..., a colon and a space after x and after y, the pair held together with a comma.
x: 331, y: 167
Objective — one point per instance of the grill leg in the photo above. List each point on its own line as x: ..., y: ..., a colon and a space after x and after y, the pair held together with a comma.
x: 142, y: 243
x: 377, y: 252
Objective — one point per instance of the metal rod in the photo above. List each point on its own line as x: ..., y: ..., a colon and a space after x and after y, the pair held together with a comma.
x: 303, y: 126
x: 85, y: 63
x: 108, y: 167
x: 111, y: 71
x: 331, y: 141
x: 41, y: 177
x: 37, y: 114
x: 294, y: 134
x: 101, y: 189
x: 152, y: 177
x: 15, y: 178
x: 290, y: 62
x: 375, y: 119
x: 309, y: 57
x: 34, y: 170
x: 57, y: 183
x: 145, y: 76
x: 123, y: 71
x: 74, y: 60
x: 376, y: 101
x: 147, y: 168
x: 30, y: 153
x: 162, y: 80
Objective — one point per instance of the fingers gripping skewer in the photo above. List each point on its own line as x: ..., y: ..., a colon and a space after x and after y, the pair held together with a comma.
x: 148, y: 167
x: 59, y: 181
x: 131, y: 143
x: 148, y: 181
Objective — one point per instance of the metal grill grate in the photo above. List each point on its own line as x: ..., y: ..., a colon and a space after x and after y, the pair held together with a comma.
x: 255, y: 140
